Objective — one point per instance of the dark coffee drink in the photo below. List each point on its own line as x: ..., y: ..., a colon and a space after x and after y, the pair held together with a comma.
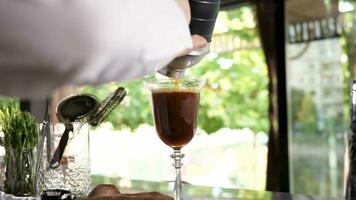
x: 175, y: 116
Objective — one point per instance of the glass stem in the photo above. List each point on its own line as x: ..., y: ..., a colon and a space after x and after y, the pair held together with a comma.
x: 178, y: 186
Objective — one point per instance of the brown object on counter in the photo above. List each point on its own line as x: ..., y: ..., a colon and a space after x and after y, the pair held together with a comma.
x: 110, y: 192
x: 104, y: 190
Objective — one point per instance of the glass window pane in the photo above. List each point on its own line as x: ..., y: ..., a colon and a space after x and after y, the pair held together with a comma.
x: 318, y: 83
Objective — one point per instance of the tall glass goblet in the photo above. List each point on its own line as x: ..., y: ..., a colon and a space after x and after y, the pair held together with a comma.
x: 175, y: 106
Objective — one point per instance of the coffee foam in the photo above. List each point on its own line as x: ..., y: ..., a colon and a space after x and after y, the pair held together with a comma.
x: 171, y: 90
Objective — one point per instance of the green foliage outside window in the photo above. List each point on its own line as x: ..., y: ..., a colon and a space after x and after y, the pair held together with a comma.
x: 304, y: 112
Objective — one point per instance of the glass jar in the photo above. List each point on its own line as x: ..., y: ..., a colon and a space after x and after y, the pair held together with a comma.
x: 73, y: 171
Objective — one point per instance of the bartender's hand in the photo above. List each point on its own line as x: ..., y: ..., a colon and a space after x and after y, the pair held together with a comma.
x: 198, y: 41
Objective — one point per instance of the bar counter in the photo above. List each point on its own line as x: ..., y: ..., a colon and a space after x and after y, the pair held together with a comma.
x: 201, y: 192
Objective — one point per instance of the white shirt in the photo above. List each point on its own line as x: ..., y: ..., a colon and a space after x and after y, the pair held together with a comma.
x: 45, y: 44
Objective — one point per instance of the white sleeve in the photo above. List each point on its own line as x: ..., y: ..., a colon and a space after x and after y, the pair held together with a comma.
x: 48, y: 44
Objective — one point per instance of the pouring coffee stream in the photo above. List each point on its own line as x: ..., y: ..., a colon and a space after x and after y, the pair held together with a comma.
x: 83, y: 108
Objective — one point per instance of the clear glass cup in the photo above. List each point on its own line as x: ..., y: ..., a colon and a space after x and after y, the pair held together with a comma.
x: 2, y: 167
x: 175, y: 105
x: 73, y: 172
x: 18, y: 160
x: 19, y: 171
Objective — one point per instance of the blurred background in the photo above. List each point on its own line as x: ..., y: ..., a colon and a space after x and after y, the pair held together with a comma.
x: 230, y: 147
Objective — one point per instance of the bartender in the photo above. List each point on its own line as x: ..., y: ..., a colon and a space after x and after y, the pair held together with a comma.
x: 45, y: 44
